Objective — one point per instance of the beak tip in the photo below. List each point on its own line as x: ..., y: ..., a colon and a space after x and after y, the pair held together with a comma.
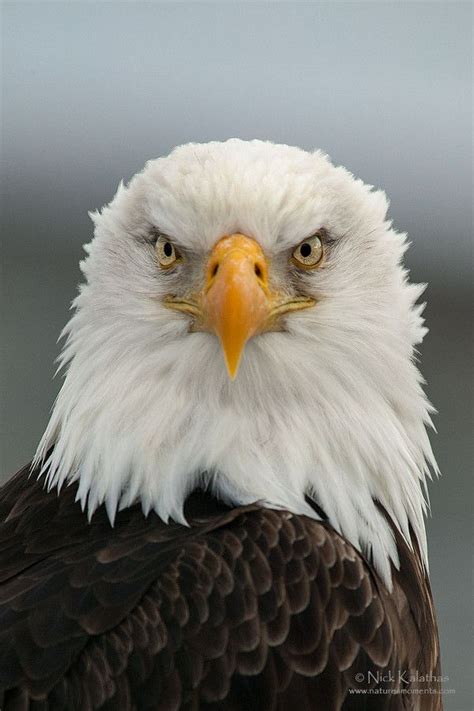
x: 233, y: 353
x: 233, y: 369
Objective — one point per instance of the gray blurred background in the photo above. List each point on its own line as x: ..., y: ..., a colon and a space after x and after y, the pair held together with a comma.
x: 92, y: 90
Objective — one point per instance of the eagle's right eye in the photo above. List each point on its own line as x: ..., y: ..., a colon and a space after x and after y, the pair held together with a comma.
x: 166, y: 252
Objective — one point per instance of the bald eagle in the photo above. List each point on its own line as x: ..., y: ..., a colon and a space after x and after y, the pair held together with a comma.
x: 226, y: 511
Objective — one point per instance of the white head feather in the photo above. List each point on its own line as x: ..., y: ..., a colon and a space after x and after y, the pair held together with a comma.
x: 332, y: 407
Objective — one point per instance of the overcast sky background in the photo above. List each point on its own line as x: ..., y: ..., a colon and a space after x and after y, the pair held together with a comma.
x: 91, y: 90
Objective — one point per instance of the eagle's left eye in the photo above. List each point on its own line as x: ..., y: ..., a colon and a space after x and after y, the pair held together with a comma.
x: 166, y: 252
x: 309, y: 253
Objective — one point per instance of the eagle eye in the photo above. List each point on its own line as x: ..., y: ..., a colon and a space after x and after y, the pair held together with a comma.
x: 309, y: 253
x: 166, y: 252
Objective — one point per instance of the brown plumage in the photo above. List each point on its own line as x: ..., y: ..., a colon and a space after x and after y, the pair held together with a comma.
x: 247, y: 609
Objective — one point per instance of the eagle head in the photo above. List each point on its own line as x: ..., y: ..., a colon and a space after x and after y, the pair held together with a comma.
x: 246, y: 324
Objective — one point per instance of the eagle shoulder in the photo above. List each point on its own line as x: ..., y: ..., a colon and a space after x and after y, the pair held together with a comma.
x: 247, y: 608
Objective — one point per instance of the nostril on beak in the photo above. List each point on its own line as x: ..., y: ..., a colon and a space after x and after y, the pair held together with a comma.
x: 258, y: 271
x: 214, y: 269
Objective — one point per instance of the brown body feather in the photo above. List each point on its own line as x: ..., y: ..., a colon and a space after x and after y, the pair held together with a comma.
x: 247, y: 609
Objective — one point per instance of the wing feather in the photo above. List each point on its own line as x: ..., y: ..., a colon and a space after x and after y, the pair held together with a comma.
x: 247, y: 608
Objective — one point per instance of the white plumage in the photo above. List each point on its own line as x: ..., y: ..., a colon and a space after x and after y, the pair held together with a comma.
x: 331, y: 407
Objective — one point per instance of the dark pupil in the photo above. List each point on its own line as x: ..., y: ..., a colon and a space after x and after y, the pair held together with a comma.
x: 305, y: 249
x: 167, y: 249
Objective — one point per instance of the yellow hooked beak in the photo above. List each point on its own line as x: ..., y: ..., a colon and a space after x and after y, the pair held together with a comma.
x: 236, y: 299
x: 236, y: 302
